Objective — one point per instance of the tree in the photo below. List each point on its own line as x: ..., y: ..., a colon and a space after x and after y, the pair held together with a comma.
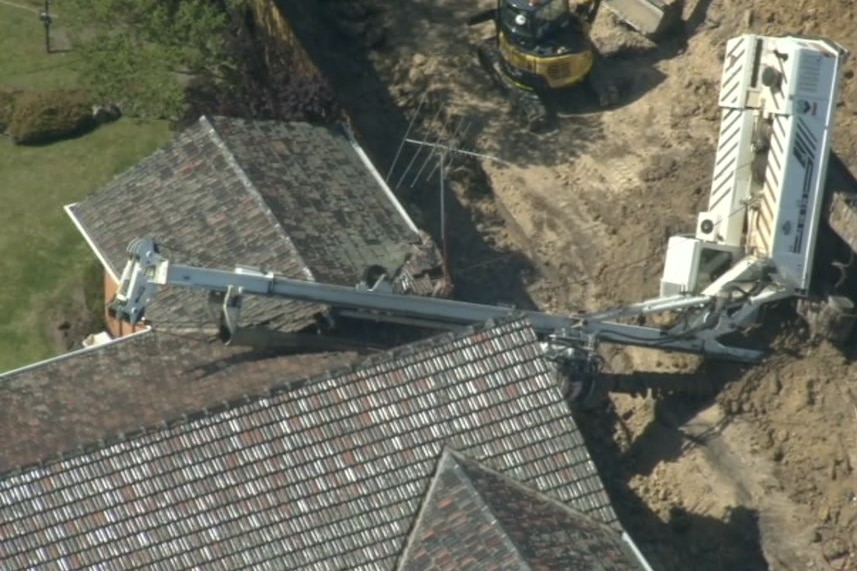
x: 265, y: 82
x: 141, y: 54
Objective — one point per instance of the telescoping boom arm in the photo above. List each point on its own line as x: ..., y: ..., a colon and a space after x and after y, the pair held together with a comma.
x: 147, y: 271
x: 754, y: 245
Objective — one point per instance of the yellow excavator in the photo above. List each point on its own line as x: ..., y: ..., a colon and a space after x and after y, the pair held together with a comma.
x: 544, y: 46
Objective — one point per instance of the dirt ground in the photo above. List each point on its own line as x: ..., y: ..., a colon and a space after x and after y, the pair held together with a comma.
x: 759, y: 476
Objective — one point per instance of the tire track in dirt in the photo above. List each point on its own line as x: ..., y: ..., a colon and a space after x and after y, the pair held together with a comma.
x: 558, y: 227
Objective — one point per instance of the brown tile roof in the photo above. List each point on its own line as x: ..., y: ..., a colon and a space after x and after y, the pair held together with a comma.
x: 293, y: 198
x: 140, y: 380
x: 476, y: 518
x: 323, y: 474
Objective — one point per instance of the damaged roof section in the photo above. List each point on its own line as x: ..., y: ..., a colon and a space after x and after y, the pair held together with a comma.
x: 299, y: 200
x: 322, y: 474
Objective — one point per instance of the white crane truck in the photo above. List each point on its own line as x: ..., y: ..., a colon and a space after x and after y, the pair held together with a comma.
x: 755, y: 245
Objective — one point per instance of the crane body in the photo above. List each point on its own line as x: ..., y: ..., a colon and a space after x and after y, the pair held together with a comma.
x: 778, y: 97
x: 753, y: 246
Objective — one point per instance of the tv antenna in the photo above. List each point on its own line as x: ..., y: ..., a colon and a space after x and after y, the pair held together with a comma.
x: 441, y: 147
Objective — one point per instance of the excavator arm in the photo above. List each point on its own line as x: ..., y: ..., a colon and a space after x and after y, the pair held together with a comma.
x: 651, y: 18
x: 587, y: 10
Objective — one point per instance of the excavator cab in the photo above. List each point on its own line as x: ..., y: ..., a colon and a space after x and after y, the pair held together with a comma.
x: 531, y: 22
x: 543, y: 44
x: 539, y: 46
x: 542, y: 47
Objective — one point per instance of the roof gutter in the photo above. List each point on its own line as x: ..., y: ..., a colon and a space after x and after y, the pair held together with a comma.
x: 77, y: 223
x: 627, y: 539
x: 379, y: 179
x: 4, y: 375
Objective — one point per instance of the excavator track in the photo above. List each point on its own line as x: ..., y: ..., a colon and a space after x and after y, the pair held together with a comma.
x: 530, y: 110
x: 528, y: 107
x: 604, y: 87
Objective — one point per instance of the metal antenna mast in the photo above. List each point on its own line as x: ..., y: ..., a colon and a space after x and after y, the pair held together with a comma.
x: 444, y: 152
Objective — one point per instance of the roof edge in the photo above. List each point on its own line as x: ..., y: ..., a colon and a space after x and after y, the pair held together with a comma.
x: 216, y: 408
x: 4, y: 375
x: 370, y: 166
x: 90, y: 242
x: 624, y: 536
x: 637, y: 553
x: 247, y: 182
x: 543, y: 496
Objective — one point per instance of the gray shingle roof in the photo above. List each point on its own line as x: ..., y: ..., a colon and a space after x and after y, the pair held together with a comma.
x: 323, y: 474
x: 474, y: 517
x: 290, y: 197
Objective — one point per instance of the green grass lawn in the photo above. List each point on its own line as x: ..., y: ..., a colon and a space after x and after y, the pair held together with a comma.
x: 44, y: 261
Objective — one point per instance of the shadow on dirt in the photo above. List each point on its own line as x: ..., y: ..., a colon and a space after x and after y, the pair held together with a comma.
x: 431, y: 46
x: 632, y: 65
x: 675, y: 539
x: 665, y: 439
x: 344, y: 57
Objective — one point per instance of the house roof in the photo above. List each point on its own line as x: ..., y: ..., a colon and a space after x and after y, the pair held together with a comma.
x: 139, y: 380
x: 327, y: 473
x: 300, y: 200
x: 500, y: 524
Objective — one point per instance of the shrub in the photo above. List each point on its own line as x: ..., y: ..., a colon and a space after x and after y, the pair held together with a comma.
x: 7, y: 106
x: 42, y: 117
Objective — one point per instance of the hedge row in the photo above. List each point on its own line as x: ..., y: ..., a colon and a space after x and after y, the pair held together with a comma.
x: 7, y: 107
x: 44, y: 116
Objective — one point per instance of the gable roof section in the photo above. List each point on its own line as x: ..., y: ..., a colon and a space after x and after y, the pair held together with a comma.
x: 139, y: 380
x: 292, y: 198
x: 501, y: 525
x: 321, y: 475
x: 325, y: 197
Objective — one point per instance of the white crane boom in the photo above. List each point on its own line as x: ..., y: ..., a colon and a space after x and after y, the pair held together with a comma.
x: 147, y: 271
x: 754, y: 245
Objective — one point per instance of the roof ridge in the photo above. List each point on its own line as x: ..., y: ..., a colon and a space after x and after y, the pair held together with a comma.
x: 530, y: 490
x: 443, y: 457
x: 373, y: 170
x: 272, y: 391
x: 488, y: 513
x: 218, y: 141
